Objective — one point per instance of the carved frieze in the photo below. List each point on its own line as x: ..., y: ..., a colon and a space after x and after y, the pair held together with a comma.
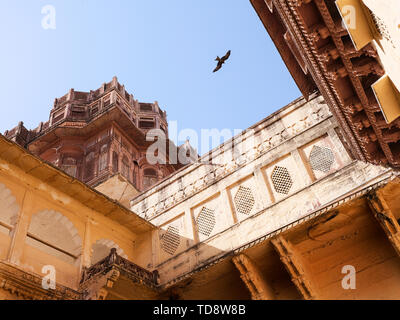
x: 27, y: 286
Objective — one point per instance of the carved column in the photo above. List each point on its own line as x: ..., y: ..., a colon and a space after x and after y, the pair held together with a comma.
x: 264, y: 193
x: 295, y: 267
x: 253, y: 279
x: 228, y: 208
x: 87, y: 244
x: 386, y: 219
x: 113, y: 97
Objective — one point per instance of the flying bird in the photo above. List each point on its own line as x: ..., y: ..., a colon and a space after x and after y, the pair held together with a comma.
x: 222, y: 60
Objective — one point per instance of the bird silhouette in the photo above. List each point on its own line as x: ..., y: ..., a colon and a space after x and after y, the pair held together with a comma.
x: 222, y: 60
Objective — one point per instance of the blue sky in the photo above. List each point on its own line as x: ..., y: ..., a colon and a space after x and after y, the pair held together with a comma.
x: 161, y: 50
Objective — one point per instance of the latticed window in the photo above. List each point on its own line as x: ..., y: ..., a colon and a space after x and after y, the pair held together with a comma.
x: 58, y: 116
x: 206, y: 221
x: 244, y: 200
x: 321, y: 159
x: 103, y: 159
x: 281, y: 180
x: 115, y: 162
x: 125, y: 167
x: 89, y: 168
x: 71, y: 170
x: 69, y: 166
x: 170, y: 240
x: 135, y: 170
x: 146, y: 124
x: 149, y: 177
x: 104, y: 135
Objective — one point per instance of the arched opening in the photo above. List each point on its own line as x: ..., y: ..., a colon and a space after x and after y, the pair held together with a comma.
x: 135, y: 172
x: 9, y: 210
x: 101, y: 249
x: 149, y: 177
x: 54, y: 234
x: 125, y: 167
x: 115, y: 162
x: 69, y: 165
x: 90, y: 166
x: 103, y: 158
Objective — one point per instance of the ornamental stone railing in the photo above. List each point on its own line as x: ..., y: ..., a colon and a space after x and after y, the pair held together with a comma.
x: 225, y: 159
x: 113, y: 260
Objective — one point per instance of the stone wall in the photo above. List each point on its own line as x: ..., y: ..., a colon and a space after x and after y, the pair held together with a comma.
x: 285, y: 167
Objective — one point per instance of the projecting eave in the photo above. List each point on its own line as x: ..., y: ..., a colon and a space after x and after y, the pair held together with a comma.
x: 390, y: 187
x: 53, y: 177
x: 343, y: 62
x: 83, y: 128
x: 113, y: 115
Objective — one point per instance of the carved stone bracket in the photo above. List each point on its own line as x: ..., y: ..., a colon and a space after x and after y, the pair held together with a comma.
x: 295, y: 267
x: 386, y: 219
x: 102, y: 275
x: 176, y: 192
x: 114, y: 260
x: 253, y: 278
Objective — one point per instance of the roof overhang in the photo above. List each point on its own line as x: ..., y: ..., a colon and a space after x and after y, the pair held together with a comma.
x: 358, y: 22
x: 115, y: 115
x: 388, y: 98
x: 54, y: 177
x: 343, y: 73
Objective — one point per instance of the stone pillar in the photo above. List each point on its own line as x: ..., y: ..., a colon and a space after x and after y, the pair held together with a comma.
x: 21, y: 229
x: 253, y: 278
x: 71, y: 95
x: 114, y: 82
x: 262, y: 188
x: 86, y: 248
x: 228, y: 207
x: 386, y: 219
x: 295, y: 267
x: 113, y: 97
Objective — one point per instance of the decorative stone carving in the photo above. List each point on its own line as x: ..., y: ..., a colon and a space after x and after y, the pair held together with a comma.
x: 28, y: 286
x: 114, y: 261
x: 194, y: 182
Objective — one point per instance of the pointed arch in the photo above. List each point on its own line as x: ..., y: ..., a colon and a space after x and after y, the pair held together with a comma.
x: 9, y: 210
x: 54, y: 234
x: 150, y: 177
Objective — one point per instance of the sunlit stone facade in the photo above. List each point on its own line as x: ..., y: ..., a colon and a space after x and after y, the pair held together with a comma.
x: 288, y: 209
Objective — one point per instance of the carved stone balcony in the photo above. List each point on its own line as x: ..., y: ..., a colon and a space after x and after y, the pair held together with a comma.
x: 118, y: 277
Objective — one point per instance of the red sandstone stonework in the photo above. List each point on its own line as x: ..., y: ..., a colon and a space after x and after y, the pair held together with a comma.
x: 94, y: 135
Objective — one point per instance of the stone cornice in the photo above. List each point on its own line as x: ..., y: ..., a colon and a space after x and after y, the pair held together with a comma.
x: 343, y: 75
x: 117, y: 263
x: 27, y: 286
x: 388, y: 177
x: 176, y: 190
